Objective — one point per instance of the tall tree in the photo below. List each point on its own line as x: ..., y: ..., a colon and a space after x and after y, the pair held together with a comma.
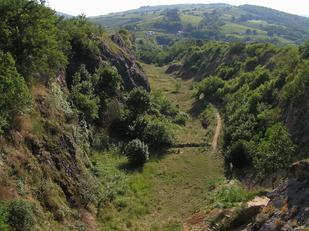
x: 29, y: 32
x: 14, y: 93
x: 274, y: 151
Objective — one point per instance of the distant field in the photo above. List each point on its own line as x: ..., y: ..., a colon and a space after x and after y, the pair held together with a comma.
x: 194, y: 20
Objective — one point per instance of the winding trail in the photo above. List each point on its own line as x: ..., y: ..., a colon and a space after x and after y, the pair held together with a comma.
x: 217, y: 132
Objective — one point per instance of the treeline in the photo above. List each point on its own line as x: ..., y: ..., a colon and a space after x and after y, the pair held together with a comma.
x: 261, y: 90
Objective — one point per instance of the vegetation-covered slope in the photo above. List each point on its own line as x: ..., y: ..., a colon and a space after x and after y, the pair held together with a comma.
x: 257, y: 86
x: 210, y: 21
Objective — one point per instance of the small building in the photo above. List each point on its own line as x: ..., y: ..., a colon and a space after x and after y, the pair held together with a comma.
x: 150, y: 33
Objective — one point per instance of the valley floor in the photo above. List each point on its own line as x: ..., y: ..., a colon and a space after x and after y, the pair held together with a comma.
x: 170, y: 189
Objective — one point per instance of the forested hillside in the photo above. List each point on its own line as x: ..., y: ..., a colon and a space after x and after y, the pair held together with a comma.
x: 262, y: 91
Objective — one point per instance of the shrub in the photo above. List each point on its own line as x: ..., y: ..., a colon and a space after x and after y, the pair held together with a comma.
x: 4, y: 226
x: 229, y: 195
x: 21, y: 215
x: 137, y: 152
x: 139, y: 101
x: 157, y: 133
x: 163, y: 105
x: 90, y: 189
x: 181, y: 118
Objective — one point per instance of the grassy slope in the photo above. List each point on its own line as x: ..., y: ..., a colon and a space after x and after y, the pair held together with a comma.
x: 168, y: 190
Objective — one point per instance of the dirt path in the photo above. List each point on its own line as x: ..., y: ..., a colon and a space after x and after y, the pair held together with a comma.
x: 217, y: 132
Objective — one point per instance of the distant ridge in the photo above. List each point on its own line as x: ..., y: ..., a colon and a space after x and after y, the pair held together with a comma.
x: 64, y: 15
x: 217, y: 21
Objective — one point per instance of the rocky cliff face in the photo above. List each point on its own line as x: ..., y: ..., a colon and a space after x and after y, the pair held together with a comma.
x: 125, y: 62
x: 284, y: 208
x: 113, y: 51
x: 288, y: 208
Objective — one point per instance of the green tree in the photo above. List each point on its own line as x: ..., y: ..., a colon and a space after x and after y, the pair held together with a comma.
x: 82, y: 95
x: 14, y: 93
x: 139, y: 101
x: 29, y: 32
x: 108, y: 82
x: 209, y: 88
x: 274, y: 152
x: 297, y: 88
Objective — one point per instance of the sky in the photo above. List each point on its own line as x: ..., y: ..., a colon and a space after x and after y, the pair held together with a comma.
x: 101, y: 7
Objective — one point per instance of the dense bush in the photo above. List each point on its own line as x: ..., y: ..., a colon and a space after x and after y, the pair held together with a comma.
x: 90, y: 189
x: 137, y: 152
x: 15, y: 96
x: 163, y: 105
x: 157, y: 133
x: 181, y: 118
x: 229, y: 195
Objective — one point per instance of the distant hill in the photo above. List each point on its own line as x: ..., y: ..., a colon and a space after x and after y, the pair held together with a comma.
x: 64, y: 15
x: 211, y: 21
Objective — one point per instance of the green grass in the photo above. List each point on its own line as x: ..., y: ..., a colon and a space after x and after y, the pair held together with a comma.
x: 231, y: 28
x: 167, y: 190
x: 152, y: 197
x: 230, y: 195
x: 187, y: 18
